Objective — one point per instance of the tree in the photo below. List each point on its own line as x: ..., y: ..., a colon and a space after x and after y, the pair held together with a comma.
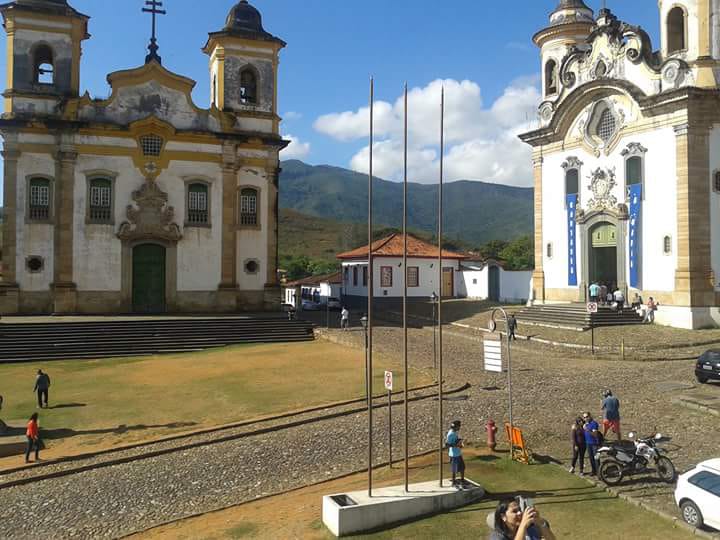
x: 519, y: 254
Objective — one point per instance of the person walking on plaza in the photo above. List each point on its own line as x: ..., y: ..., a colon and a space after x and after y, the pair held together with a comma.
x: 592, y: 439
x: 512, y: 326
x: 577, y: 437
x: 42, y: 387
x: 650, y: 310
x: 611, y: 410
x: 33, y: 438
x: 344, y: 319
x: 454, y: 444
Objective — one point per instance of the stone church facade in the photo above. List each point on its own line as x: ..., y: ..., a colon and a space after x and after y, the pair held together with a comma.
x: 141, y: 202
x: 627, y: 159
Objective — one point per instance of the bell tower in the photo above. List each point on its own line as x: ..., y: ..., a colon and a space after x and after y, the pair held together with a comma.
x: 570, y: 24
x: 244, y: 62
x: 689, y: 31
x: 44, y: 44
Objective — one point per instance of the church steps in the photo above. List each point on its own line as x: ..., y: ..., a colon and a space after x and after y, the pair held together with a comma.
x: 55, y: 341
x: 575, y: 316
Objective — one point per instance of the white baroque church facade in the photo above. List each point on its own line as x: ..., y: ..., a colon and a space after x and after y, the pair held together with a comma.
x: 627, y: 159
x: 141, y: 202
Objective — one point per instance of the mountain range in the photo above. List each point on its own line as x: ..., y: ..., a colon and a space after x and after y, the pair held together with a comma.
x: 474, y: 212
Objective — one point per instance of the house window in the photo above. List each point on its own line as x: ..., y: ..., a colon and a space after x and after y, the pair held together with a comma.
x: 606, y: 126
x: 248, y: 86
x: 248, y: 207
x: 667, y: 245
x: 151, y: 145
x: 676, y: 30
x: 716, y: 182
x: 386, y: 276
x: 551, y: 86
x: 549, y: 250
x: 355, y: 276
x: 197, y: 204
x: 101, y: 200
x: 44, y: 69
x: 413, y: 276
x: 346, y: 275
x: 364, y: 276
x: 633, y: 171
x: 40, y: 195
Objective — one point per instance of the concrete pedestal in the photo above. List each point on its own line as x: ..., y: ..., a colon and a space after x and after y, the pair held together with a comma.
x: 355, y: 512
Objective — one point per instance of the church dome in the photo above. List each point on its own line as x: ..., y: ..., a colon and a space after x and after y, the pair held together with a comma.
x: 570, y: 11
x: 244, y: 18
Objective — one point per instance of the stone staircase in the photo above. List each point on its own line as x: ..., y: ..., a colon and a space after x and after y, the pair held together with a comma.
x: 575, y: 316
x: 24, y: 342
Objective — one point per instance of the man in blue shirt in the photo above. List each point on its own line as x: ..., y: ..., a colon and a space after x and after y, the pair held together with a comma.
x: 592, y: 439
x: 611, y: 408
x: 454, y: 444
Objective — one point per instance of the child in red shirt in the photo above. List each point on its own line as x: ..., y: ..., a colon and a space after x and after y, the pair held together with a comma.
x: 33, y: 438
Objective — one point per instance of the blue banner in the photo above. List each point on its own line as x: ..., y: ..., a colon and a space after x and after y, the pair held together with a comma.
x: 572, y: 237
x: 635, y: 195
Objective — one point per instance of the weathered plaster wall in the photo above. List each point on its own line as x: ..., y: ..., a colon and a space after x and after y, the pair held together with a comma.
x: 61, y: 45
x: 252, y: 242
x: 715, y: 205
x: 234, y: 64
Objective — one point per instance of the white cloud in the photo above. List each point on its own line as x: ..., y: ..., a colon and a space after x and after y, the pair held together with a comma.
x: 481, y: 141
x: 292, y: 115
x: 296, y: 149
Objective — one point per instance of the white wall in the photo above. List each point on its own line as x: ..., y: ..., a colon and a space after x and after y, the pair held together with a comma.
x: 428, y: 277
x: 474, y: 284
x: 659, y: 212
x: 514, y: 285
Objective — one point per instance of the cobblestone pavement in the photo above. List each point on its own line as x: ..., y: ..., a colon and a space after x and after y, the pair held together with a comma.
x: 550, y: 389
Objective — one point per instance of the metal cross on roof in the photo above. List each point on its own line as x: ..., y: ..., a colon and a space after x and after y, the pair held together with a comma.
x: 153, y: 47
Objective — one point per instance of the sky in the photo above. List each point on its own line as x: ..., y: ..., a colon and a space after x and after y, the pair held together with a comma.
x: 480, y: 51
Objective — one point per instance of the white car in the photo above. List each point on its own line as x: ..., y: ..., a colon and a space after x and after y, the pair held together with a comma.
x: 334, y: 304
x: 698, y: 494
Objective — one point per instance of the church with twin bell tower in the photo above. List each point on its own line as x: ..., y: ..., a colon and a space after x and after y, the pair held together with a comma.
x: 626, y: 160
x: 143, y: 202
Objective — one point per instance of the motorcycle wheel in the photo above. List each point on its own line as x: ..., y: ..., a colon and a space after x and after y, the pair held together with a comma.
x: 666, y: 470
x: 611, y: 473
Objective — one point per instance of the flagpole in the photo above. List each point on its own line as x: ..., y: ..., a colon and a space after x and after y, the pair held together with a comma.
x: 440, y: 296
x: 405, y: 289
x: 370, y: 295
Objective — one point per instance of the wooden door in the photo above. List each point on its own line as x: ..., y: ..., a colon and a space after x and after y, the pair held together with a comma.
x: 148, y: 278
x: 448, y: 285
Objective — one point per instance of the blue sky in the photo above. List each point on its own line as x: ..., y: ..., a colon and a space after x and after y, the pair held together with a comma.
x: 333, y: 48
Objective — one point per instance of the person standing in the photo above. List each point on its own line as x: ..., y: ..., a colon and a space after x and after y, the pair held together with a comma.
x: 592, y: 439
x: 619, y: 299
x: 454, y: 444
x: 603, y: 293
x: 577, y: 437
x: 512, y: 326
x: 594, y: 291
x: 33, y: 438
x: 42, y: 387
x: 344, y: 319
x: 650, y: 310
x: 611, y: 409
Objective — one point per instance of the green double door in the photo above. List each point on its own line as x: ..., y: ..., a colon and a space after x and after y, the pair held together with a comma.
x: 148, y: 279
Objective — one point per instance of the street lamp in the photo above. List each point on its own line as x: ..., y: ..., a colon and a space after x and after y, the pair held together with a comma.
x: 433, y: 299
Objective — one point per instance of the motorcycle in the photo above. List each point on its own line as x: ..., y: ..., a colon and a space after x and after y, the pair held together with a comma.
x: 618, y: 460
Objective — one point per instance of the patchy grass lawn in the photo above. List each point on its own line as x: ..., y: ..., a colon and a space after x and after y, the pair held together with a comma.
x: 572, y: 506
x: 103, y: 403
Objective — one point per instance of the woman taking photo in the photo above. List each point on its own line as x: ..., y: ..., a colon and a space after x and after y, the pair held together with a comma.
x: 512, y: 523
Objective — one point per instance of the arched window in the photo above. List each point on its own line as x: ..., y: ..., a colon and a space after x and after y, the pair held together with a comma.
x: 572, y: 182
x: 39, y: 200
x: 676, y: 38
x: 633, y: 171
x: 43, y: 66
x: 214, y: 90
x: 551, y: 85
x: 198, y: 204
x: 100, y: 197
x: 248, y: 207
x: 549, y: 250
x: 248, y: 86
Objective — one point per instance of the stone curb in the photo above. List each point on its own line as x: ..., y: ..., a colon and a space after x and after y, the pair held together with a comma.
x: 637, y: 502
x: 601, y: 348
x: 164, y: 451
x: 696, y: 406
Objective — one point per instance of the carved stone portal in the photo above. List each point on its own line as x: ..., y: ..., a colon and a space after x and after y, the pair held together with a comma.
x: 152, y: 219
